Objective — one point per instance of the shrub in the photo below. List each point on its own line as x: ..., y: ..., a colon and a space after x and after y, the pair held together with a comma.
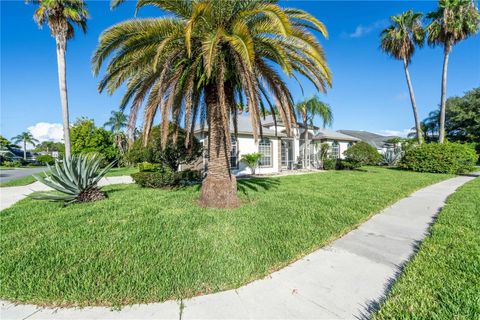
x: 363, y: 154
x: 391, y: 157
x: 12, y: 164
x: 46, y: 159
x: 165, y: 178
x: 440, y: 158
x: 347, y: 164
x: 75, y: 178
x: 329, y: 164
x: 251, y: 160
x: 148, y: 167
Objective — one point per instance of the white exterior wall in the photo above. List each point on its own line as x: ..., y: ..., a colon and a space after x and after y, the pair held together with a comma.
x: 343, y: 146
x: 246, y: 145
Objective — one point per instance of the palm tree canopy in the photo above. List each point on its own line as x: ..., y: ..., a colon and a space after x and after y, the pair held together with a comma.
x: 400, y: 38
x: 61, y: 15
x: 25, y: 137
x: 312, y: 107
x: 117, y: 121
x: 230, y: 46
x: 453, y: 21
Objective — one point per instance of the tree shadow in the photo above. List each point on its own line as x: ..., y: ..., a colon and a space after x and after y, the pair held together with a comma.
x: 256, y: 184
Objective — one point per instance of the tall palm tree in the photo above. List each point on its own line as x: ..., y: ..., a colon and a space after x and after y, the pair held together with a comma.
x: 61, y: 16
x: 25, y: 137
x: 203, y: 60
x: 399, y: 41
x: 452, y: 22
x: 307, y: 110
x: 117, y: 122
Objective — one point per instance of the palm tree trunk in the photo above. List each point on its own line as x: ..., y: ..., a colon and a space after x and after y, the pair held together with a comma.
x: 61, y: 42
x: 443, y: 101
x: 305, y: 137
x: 414, y: 104
x: 219, y: 188
x: 24, y: 149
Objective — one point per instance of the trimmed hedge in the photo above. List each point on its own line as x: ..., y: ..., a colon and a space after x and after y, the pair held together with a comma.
x: 453, y: 158
x: 362, y: 154
x: 165, y: 178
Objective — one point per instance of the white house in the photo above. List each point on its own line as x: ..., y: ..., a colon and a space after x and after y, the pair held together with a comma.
x: 279, y: 152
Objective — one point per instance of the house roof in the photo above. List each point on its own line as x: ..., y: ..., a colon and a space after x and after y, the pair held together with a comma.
x: 268, y: 121
x: 244, y: 126
x: 375, y: 140
x: 333, y: 135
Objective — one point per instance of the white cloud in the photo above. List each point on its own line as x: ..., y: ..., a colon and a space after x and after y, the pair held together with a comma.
x: 399, y: 133
x: 362, y: 30
x: 44, y: 131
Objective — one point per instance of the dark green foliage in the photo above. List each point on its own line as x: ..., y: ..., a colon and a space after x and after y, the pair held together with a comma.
x: 346, y: 164
x: 329, y: 164
x: 76, y: 179
x: 50, y: 146
x: 147, y: 245
x: 173, y: 155
x: 87, y: 138
x: 463, y: 117
x: 440, y: 158
x: 363, y: 154
x: 443, y: 279
x: 46, y: 159
x: 164, y: 177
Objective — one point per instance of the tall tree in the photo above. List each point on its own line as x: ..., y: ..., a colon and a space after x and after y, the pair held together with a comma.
x: 117, y: 122
x: 399, y: 41
x: 452, y: 22
x: 203, y: 60
x: 307, y: 110
x: 61, y: 16
x: 25, y: 137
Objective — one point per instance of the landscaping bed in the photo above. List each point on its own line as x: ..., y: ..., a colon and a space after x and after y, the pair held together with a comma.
x: 145, y: 245
x: 443, y: 280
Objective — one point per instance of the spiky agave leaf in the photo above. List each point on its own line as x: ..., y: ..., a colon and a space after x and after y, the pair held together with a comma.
x: 73, y: 178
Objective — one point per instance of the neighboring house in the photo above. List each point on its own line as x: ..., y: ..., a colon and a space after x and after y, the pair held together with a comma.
x: 379, y: 142
x: 279, y: 152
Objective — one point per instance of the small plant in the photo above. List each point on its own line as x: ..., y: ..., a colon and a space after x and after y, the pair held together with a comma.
x: 363, y: 154
x: 329, y: 164
x: 75, y: 178
x: 46, y: 159
x: 148, y: 167
x: 251, y: 160
x: 12, y: 164
x: 391, y: 157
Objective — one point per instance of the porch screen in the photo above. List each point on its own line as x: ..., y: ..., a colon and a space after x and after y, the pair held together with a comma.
x: 234, y: 154
x: 265, y: 149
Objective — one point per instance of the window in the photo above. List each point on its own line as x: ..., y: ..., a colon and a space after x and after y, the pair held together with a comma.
x: 234, y: 154
x: 335, y: 150
x: 349, y: 144
x: 265, y: 149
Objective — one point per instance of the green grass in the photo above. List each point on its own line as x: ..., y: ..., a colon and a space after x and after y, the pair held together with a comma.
x: 145, y: 245
x: 443, y: 280
x: 23, y: 181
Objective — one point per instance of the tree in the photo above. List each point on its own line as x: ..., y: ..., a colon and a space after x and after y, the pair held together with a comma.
x: 251, y: 160
x: 50, y: 146
x: 463, y: 117
x: 203, y: 60
x: 172, y: 155
x: 117, y: 122
x: 307, y: 110
x: 61, y: 16
x: 399, y: 41
x: 4, y: 142
x: 25, y: 137
x: 87, y: 138
x: 452, y: 22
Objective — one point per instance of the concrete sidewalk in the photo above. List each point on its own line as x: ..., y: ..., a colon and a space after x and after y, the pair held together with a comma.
x: 11, y: 195
x: 344, y: 280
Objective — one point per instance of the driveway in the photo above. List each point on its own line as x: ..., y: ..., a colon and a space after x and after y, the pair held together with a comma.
x: 14, y: 173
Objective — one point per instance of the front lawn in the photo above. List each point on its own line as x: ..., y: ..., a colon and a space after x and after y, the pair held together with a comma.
x: 145, y: 245
x: 443, y: 280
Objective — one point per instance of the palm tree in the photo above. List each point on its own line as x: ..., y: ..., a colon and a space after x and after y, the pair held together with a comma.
x: 117, y: 122
x: 452, y: 22
x: 307, y: 110
x: 399, y: 41
x: 25, y: 137
x: 61, y: 16
x: 203, y: 60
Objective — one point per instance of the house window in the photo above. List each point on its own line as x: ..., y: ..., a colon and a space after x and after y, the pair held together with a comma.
x: 349, y: 144
x: 335, y: 150
x: 265, y: 149
x: 234, y: 153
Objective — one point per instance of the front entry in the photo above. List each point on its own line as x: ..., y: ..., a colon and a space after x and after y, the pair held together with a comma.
x: 287, y: 155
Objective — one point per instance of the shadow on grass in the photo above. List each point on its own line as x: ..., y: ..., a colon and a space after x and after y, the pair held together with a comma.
x: 255, y: 184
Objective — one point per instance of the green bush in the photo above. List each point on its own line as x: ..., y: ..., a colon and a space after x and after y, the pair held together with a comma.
x: 440, y: 158
x: 46, y: 159
x: 12, y: 164
x: 148, y: 167
x: 251, y: 160
x: 165, y: 178
x: 363, y: 154
x: 347, y: 164
x: 329, y: 164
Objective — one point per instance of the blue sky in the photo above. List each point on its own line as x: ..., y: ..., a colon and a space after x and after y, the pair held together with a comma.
x: 369, y: 90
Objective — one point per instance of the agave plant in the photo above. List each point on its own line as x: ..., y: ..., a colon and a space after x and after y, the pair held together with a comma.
x: 391, y: 157
x: 75, y: 178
